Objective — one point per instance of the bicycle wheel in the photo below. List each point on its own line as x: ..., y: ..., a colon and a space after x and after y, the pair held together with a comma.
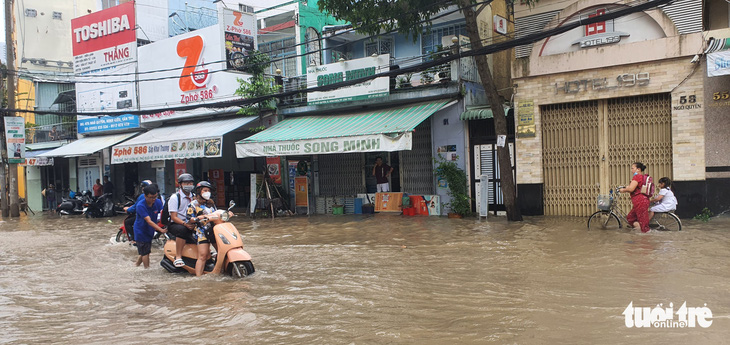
x: 603, y: 220
x: 665, y: 221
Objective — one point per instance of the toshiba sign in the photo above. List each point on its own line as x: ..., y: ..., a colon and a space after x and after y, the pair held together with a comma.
x: 104, y: 39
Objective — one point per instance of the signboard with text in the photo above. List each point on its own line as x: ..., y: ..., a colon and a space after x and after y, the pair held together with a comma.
x: 92, y: 124
x: 239, y: 30
x: 176, y: 149
x: 15, y: 139
x: 38, y: 161
x: 348, y: 70
x: 718, y: 63
x: 363, y: 143
x: 104, y: 39
x: 193, y: 68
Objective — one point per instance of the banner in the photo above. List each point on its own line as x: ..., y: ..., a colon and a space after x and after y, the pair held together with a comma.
x: 93, y: 124
x: 217, y: 179
x: 273, y: 166
x: 301, y: 194
x: 239, y: 30
x: 718, y: 63
x: 349, y: 70
x: 15, y: 139
x: 181, y: 167
x: 177, y: 149
x: 388, y: 202
x: 358, y: 144
x: 105, y: 38
x: 38, y: 161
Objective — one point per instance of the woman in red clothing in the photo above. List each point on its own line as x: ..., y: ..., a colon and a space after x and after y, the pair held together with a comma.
x: 639, y: 215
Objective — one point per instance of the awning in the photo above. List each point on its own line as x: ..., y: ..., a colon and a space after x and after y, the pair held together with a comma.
x: 32, y: 154
x: 382, y: 130
x: 47, y: 146
x: 480, y: 113
x: 88, y: 145
x: 32, y: 158
x: 195, y: 140
x: 65, y: 97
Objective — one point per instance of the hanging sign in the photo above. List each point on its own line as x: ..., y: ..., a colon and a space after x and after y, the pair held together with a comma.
x: 107, y: 123
x: 180, y: 167
x: 718, y: 63
x: 273, y: 166
x: 177, y: 149
x: 239, y: 31
x: 15, y: 138
x: 362, y: 143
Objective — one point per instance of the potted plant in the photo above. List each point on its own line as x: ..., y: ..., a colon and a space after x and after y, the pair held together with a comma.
x: 405, y: 80
x: 460, y: 204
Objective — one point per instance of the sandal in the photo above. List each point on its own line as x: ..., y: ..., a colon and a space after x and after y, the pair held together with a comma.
x: 178, y: 263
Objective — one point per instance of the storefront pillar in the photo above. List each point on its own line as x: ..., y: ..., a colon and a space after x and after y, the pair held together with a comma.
x: 34, y: 187
x: 73, y: 182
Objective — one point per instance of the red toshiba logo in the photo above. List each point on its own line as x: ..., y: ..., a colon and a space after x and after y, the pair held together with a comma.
x: 192, y: 49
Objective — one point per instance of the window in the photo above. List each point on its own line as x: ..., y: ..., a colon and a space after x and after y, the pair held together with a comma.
x: 279, y: 52
x: 382, y: 45
x: 57, y: 15
x: 29, y: 12
x: 431, y: 41
x: 245, y: 8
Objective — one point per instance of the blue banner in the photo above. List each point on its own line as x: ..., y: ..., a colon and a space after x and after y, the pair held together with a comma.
x: 107, y: 123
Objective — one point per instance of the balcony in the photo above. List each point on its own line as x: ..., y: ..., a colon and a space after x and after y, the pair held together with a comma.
x: 49, y: 133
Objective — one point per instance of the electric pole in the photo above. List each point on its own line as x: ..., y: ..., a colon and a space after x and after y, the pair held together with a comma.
x: 12, y: 168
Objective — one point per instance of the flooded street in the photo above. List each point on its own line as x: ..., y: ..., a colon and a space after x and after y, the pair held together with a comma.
x: 367, y: 280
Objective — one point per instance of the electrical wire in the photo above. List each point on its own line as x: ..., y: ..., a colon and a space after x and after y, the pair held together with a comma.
x: 489, y: 49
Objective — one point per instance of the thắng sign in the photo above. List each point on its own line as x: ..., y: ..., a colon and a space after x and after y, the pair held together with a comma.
x: 104, y: 39
x: 348, y: 70
x: 363, y: 143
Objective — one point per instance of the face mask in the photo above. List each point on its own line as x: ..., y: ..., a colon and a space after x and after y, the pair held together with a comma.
x: 636, y: 173
x: 188, y: 189
x: 206, y: 195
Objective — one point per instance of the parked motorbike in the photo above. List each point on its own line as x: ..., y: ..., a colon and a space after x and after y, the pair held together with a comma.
x: 123, y: 236
x: 231, y: 258
x: 102, y: 206
x: 69, y: 206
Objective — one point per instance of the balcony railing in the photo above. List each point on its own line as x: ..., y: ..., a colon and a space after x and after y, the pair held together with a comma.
x: 48, y: 133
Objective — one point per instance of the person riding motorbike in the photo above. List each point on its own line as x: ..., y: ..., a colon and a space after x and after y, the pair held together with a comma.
x: 177, y: 207
x: 132, y: 213
x: 202, y: 205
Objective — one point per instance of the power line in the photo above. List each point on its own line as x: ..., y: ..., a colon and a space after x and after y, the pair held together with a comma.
x: 420, y: 67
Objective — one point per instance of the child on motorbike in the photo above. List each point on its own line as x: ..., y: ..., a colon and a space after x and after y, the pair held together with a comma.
x: 145, y: 225
x: 202, y: 205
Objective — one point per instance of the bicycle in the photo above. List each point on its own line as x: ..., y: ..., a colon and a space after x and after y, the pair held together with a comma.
x: 610, y: 215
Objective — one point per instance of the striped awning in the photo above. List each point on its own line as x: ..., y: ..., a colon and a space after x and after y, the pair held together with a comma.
x: 717, y: 44
x: 480, y: 113
x: 382, y: 130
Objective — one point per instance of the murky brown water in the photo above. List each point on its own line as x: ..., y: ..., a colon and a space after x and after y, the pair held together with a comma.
x: 366, y: 280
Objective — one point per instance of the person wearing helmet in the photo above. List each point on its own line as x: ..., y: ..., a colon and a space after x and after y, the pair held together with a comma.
x: 132, y: 212
x: 202, y: 205
x: 177, y: 207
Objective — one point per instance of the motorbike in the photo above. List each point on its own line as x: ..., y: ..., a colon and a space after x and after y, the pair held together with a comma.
x: 98, y: 207
x: 123, y: 236
x: 231, y: 258
x: 73, y: 205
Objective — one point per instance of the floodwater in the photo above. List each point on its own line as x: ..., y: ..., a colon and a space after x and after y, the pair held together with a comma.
x: 379, y: 279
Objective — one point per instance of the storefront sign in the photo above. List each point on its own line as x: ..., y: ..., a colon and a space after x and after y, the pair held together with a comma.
x: 599, y: 33
x: 500, y: 25
x: 217, y: 179
x: 273, y: 166
x: 192, y: 67
x: 15, y: 138
x: 105, y: 38
x: 718, y: 63
x: 178, y: 149
x: 106, y: 123
x: 240, y: 33
x: 526, y: 119
x: 38, y: 161
x: 603, y: 84
x: 348, y: 70
x: 181, y: 167
x: 364, y: 143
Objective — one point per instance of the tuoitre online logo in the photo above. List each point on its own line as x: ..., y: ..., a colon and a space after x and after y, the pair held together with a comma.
x: 660, y: 317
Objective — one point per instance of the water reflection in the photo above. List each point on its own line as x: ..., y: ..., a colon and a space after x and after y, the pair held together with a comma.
x: 365, y: 279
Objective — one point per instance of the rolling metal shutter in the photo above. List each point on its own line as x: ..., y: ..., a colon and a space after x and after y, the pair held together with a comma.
x: 416, y: 165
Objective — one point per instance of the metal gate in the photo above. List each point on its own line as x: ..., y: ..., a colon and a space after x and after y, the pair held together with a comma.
x: 341, y: 174
x: 416, y: 165
x: 486, y: 163
x: 588, y: 148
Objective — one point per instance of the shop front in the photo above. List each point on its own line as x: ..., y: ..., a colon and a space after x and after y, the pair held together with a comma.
x: 337, y: 154
x: 163, y: 153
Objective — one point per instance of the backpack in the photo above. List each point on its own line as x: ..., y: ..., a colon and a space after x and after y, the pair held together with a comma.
x: 648, y: 187
x: 165, y: 214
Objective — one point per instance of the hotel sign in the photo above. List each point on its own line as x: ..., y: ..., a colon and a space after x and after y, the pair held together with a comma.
x: 626, y: 80
x: 599, y: 33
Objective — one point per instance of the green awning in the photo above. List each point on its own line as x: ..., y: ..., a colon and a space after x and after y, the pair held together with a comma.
x: 479, y: 113
x: 376, y: 130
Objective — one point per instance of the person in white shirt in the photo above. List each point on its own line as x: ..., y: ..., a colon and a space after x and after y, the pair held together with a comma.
x: 665, y: 201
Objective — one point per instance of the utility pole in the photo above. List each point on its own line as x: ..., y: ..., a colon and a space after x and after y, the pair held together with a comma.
x: 12, y: 171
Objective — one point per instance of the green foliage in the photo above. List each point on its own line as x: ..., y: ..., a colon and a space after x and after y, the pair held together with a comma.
x: 257, y: 129
x: 705, y: 215
x: 258, y: 85
x: 457, y: 183
x: 428, y: 75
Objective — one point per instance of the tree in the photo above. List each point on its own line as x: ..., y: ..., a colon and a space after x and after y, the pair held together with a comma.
x: 258, y: 85
x: 373, y: 16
